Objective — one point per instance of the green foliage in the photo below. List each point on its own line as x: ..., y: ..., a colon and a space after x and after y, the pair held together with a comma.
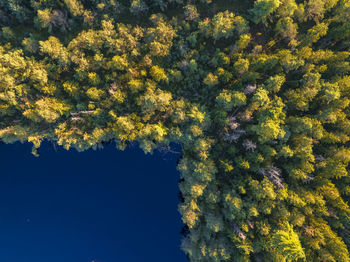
x: 75, y: 7
x: 223, y: 25
x: 158, y: 73
x: 54, y: 49
x: 287, y: 29
x: 257, y: 93
x: 191, y: 12
x: 211, y: 80
x: 263, y: 9
x: 94, y: 93
x: 48, y: 109
x: 288, y: 244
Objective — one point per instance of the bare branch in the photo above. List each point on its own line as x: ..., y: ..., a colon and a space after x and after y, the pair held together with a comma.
x: 249, y: 89
x: 238, y: 231
x: 274, y: 175
x: 249, y: 145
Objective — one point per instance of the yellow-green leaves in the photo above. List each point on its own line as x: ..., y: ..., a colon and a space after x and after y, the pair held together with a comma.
x: 47, y: 109
x: 119, y: 62
x: 55, y: 49
x: 71, y: 88
x: 44, y: 17
x: 158, y: 73
x: 274, y: 83
x: 196, y: 114
x: 75, y: 7
x: 288, y: 30
x: 226, y: 166
x: 211, y: 80
x: 316, y: 32
x: 243, y: 42
x: 287, y: 244
x: 135, y: 85
x: 14, y: 60
x: 161, y: 37
x: 261, y: 97
x: 95, y: 93
x: 197, y: 190
x: 241, y: 65
x: 223, y: 25
x: 224, y: 100
x: 269, y: 130
x: 190, y: 213
x: 155, y: 100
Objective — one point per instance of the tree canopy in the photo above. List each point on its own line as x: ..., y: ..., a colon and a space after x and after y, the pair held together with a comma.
x: 257, y: 94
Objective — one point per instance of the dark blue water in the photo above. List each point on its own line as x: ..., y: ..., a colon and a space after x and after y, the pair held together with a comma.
x: 103, y: 206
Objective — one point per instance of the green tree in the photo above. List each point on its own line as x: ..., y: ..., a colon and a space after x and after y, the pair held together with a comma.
x: 287, y: 244
x: 263, y: 9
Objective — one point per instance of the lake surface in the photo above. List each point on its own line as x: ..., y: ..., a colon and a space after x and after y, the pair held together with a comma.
x: 103, y: 206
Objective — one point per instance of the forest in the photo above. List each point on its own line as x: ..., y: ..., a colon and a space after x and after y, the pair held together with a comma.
x: 256, y: 93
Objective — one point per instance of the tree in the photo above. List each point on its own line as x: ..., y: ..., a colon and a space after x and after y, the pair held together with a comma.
x: 315, y: 9
x: 223, y: 25
x: 75, y: 7
x: 288, y: 244
x: 137, y: 7
x: 287, y: 29
x: 191, y: 12
x: 158, y: 73
x: 55, y: 49
x: 160, y: 37
x: 47, y: 109
x: 316, y: 32
x: 263, y: 9
x: 211, y: 80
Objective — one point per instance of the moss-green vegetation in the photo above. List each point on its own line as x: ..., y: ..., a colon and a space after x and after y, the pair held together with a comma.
x: 257, y: 94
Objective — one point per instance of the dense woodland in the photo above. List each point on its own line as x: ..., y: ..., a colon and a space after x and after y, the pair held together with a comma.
x: 257, y: 93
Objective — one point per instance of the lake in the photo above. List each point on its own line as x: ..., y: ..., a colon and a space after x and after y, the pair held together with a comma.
x: 103, y: 206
